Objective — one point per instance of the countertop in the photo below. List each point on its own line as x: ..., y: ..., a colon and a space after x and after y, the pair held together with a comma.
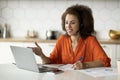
x: 11, y: 72
x: 105, y: 41
x: 26, y: 40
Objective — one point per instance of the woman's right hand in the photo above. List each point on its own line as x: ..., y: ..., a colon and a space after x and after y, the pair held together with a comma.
x: 37, y: 50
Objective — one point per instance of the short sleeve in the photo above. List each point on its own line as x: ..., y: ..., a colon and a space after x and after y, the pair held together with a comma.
x: 55, y: 55
x: 99, y: 53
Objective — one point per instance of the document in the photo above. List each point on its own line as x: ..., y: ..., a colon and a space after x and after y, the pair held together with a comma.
x: 52, y: 65
x: 66, y: 67
x: 100, y: 72
x: 60, y: 66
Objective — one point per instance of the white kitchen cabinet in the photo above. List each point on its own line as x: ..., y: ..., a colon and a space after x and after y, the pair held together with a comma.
x: 110, y: 50
x: 118, y: 52
x: 6, y: 54
x: 47, y: 48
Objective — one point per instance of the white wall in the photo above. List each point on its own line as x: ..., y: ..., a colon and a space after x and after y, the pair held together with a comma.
x: 41, y: 15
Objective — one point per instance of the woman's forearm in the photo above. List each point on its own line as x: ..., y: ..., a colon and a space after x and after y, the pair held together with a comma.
x: 93, y: 64
x: 45, y: 60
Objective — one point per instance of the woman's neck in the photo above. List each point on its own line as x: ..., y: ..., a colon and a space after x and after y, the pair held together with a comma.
x: 75, y: 39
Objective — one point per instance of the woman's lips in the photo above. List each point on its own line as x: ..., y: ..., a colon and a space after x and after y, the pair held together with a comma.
x: 69, y: 30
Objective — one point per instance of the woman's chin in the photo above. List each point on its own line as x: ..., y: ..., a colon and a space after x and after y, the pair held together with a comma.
x: 69, y: 34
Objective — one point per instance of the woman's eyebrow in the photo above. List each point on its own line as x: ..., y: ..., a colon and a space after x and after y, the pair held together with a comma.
x: 70, y: 20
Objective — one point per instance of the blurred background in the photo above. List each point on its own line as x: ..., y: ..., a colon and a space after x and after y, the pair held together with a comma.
x: 39, y: 16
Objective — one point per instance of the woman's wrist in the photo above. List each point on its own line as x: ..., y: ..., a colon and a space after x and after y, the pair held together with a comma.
x: 45, y: 60
x: 42, y: 55
x: 86, y: 65
x: 92, y: 64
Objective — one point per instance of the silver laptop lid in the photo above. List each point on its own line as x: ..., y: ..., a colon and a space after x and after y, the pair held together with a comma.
x: 24, y: 58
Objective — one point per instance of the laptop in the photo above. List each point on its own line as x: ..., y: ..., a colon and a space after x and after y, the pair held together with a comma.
x: 25, y: 59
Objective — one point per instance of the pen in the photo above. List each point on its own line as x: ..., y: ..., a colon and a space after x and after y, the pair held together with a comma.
x: 80, y: 59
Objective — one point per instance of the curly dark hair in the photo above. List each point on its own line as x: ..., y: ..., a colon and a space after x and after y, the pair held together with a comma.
x: 85, y: 17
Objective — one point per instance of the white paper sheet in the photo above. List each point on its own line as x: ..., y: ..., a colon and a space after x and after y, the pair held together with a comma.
x: 100, y: 72
x: 66, y: 67
x: 60, y: 66
x: 53, y: 65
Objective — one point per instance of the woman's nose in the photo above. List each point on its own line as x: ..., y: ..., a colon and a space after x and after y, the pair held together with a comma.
x: 69, y: 25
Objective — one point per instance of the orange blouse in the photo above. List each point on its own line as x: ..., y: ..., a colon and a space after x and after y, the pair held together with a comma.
x: 87, y: 50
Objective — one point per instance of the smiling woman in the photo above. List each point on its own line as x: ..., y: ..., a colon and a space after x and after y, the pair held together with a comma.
x: 85, y: 19
x: 78, y: 46
x: 71, y: 23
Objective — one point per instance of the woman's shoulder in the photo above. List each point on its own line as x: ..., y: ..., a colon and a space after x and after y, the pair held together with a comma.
x: 62, y: 39
x: 63, y: 36
x: 91, y: 38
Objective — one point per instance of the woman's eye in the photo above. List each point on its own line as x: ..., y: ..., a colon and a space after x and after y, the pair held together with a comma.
x: 66, y: 22
x: 72, y: 22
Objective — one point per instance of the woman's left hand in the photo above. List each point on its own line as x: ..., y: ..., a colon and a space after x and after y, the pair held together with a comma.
x: 78, y: 65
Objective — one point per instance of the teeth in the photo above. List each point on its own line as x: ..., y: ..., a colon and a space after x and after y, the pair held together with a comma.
x: 69, y: 30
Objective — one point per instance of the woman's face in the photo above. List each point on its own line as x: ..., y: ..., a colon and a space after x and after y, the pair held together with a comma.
x: 72, y: 25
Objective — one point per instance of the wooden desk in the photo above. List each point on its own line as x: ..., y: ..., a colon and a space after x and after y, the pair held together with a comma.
x: 11, y: 72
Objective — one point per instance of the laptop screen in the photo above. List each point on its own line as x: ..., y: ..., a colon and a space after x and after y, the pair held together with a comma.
x: 24, y: 58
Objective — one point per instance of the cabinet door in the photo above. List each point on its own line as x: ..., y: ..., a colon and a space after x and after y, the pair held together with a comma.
x: 47, y: 48
x: 6, y: 55
x: 118, y: 52
x: 110, y: 50
x: 5, y: 51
